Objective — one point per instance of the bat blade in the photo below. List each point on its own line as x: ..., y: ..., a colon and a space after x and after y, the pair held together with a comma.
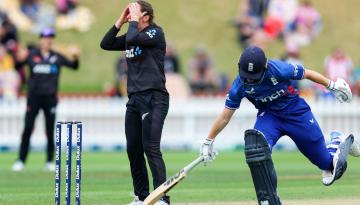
x: 171, y: 182
x: 164, y: 188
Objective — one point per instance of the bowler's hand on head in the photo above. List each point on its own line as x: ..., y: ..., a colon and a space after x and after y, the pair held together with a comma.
x: 135, y: 12
x: 124, y: 18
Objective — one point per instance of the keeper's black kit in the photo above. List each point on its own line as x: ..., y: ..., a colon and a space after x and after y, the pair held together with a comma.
x: 148, y: 101
x: 42, y: 94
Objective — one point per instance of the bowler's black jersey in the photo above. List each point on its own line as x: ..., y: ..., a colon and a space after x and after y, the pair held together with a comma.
x: 144, y: 51
x: 45, y: 71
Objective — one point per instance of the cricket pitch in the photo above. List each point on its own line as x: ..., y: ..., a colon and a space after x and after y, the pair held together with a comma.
x: 287, y: 202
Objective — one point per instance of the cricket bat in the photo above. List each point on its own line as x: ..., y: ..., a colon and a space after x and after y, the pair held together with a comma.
x: 171, y: 182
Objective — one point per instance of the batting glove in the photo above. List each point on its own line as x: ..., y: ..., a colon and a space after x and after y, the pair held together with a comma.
x: 207, y: 151
x: 341, y: 90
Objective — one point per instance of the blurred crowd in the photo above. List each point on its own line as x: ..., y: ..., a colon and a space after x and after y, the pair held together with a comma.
x: 261, y: 21
x: 202, y: 78
x: 35, y: 15
x: 10, y: 74
x: 336, y: 65
x: 31, y: 16
x: 294, y: 22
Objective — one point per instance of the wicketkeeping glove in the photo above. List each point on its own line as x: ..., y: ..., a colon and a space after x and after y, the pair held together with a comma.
x: 207, y: 151
x: 341, y: 90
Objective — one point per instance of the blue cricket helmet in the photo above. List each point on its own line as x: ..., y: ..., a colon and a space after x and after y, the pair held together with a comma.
x: 252, y: 63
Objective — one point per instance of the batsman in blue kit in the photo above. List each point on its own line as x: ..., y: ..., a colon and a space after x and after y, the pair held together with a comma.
x: 266, y: 84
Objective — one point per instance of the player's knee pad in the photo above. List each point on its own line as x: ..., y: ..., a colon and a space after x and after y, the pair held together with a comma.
x: 258, y: 157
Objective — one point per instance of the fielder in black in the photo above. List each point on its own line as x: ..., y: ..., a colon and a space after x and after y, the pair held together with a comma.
x: 44, y: 65
x: 144, y: 45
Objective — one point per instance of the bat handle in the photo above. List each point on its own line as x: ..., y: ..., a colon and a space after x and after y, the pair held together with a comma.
x: 193, y: 164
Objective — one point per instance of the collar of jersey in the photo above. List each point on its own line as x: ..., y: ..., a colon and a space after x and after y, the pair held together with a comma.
x: 38, y: 52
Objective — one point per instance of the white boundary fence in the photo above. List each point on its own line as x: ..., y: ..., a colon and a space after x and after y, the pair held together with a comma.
x: 187, y: 122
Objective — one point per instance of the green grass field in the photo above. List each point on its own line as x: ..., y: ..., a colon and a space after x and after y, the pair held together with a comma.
x: 188, y: 24
x: 106, y: 180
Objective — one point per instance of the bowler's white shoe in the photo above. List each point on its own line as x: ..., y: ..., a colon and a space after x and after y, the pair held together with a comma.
x: 50, y: 166
x: 18, y: 166
x: 136, y: 201
x: 161, y: 202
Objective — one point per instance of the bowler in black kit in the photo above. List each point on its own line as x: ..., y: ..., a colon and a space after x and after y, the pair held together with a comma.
x: 144, y: 45
x: 44, y: 66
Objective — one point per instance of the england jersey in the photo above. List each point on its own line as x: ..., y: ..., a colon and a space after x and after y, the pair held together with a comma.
x: 274, y: 92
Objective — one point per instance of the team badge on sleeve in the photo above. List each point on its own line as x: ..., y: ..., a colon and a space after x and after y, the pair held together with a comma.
x: 298, y: 71
x: 151, y: 33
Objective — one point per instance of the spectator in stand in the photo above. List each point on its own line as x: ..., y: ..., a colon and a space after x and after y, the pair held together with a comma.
x: 30, y: 8
x: 41, y: 14
x: 12, y: 9
x: 176, y: 84
x: 258, y: 31
x: 255, y: 30
x: 171, y: 62
x: 8, y: 32
x: 281, y: 15
x: 247, y: 26
x: 338, y: 65
x: 121, y: 77
x: 258, y: 8
x: 9, y: 80
x: 8, y: 35
x: 9, y: 39
x: 293, y: 56
x: 356, y: 80
x: 73, y: 16
x: 202, y: 77
x: 307, y: 24
x: 66, y: 6
x: 223, y: 84
x: 248, y: 22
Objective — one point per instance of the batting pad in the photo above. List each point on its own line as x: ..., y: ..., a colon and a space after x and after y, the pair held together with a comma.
x: 258, y: 158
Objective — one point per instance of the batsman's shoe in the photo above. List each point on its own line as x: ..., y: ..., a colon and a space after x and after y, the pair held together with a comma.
x: 339, y: 160
x: 136, y: 201
x: 327, y: 176
x: 18, y: 166
x: 50, y: 166
x: 335, y: 139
